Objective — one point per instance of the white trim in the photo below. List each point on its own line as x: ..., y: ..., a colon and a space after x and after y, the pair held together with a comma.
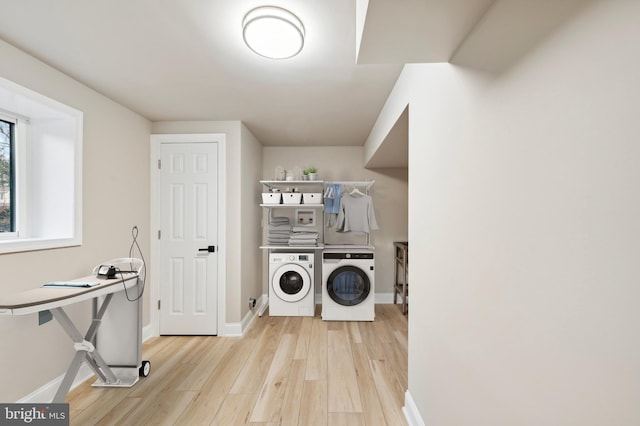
x: 384, y: 298
x: 156, y: 141
x: 222, y: 231
x: 232, y: 329
x: 154, y: 225
x: 45, y: 393
x: 238, y: 329
x: 264, y: 304
x: 411, y: 412
x: 261, y: 305
x: 10, y: 117
x: 147, y: 332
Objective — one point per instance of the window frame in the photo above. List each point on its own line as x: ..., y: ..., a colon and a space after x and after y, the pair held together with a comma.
x: 12, y: 156
x: 48, y: 162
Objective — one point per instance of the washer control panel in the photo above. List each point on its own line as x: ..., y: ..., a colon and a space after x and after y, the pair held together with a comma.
x: 287, y: 257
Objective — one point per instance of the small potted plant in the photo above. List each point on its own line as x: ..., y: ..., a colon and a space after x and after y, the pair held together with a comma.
x: 312, y: 172
x: 305, y: 174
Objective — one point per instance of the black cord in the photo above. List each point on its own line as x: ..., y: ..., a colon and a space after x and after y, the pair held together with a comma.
x: 143, y: 270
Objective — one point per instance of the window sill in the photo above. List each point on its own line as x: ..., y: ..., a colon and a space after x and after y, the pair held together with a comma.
x: 32, y: 244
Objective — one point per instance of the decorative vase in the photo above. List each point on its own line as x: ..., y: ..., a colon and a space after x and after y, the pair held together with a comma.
x: 281, y: 173
x: 313, y: 176
x: 297, y: 173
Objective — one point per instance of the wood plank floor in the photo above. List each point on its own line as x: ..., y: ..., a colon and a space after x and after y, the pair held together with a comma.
x: 283, y: 371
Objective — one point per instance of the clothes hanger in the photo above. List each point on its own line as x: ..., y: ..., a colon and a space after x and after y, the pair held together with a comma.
x: 356, y: 191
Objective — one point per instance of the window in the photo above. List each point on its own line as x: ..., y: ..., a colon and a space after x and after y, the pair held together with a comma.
x: 7, y: 219
x: 40, y: 171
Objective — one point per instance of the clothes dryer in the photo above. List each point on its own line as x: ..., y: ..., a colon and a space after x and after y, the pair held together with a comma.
x: 348, y: 290
x: 291, y: 286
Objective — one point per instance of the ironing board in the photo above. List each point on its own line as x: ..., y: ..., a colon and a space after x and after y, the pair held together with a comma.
x: 54, y: 299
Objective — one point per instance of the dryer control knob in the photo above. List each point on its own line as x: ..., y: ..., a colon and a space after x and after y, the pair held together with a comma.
x: 292, y: 258
x: 348, y: 256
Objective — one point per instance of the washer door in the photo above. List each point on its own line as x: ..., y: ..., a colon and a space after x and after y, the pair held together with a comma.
x: 348, y: 285
x: 291, y: 282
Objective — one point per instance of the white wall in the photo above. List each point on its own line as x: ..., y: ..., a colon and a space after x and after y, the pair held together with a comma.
x: 252, y: 273
x: 115, y: 162
x: 347, y: 163
x: 524, y: 230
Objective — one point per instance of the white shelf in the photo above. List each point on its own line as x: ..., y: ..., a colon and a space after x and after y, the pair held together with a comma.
x: 309, y: 206
x: 272, y: 183
x: 318, y: 247
x: 304, y: 186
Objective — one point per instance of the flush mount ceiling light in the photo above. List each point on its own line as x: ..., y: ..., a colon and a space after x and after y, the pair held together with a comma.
x: 273, y: 32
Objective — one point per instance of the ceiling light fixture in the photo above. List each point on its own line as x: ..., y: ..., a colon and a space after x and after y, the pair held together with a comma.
x: 273, y: 32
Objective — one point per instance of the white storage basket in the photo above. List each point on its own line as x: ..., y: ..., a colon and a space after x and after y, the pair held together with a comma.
x: 292, y: 197
x: 271, y: 198
x: 312, y: 198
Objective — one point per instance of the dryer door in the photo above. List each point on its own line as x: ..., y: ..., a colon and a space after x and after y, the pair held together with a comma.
x: 348, y: 285
x: 291, y: 282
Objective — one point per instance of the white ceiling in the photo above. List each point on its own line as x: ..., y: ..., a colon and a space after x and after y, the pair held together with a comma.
x: 417, y: 31
x: 185, y: 59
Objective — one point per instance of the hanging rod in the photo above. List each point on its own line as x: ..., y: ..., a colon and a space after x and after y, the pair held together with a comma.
x: 367, y: 183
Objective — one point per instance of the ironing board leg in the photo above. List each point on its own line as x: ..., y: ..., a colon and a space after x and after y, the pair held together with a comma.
x: 85, y: 351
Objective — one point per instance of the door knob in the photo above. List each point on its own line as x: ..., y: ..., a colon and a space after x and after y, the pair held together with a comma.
x: 210, y: 249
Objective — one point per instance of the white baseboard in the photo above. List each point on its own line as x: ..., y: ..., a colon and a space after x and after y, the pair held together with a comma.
x: 147, y: 333
x: 45, y: 393
x: 384, y: 298
x: 411, y: 412
x: 239, y: 328
x: 231, y: 329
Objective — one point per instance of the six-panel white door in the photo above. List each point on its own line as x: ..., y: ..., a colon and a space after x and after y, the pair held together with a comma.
x: 189, y: 226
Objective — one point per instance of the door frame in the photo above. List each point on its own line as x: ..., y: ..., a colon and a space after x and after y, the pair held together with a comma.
x: 154, y: 270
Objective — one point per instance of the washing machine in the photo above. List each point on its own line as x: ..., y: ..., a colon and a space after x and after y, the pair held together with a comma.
x: 348, y: 291
x: 291, y: 287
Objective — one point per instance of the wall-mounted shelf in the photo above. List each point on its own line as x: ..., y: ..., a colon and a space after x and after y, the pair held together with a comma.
x: 300, y: 214
x: 280, y: 183
x: 318, y: 247
x: 297, y: 206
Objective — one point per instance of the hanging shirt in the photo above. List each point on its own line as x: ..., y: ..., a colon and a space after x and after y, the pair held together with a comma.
x: 332, y: 195
x: 356, y: 214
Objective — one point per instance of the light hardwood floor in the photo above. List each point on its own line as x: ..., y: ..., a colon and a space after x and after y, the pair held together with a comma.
x: 283, y: 371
